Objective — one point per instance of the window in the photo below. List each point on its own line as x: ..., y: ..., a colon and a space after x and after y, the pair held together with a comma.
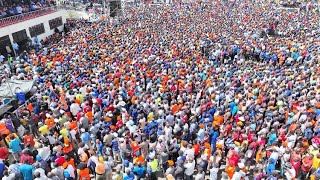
x: 36, y: 30
x: 19, y: 36
x: 56, y: 22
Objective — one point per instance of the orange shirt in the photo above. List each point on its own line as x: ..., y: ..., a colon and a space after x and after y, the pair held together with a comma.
x: 68, y: 149
x: 3, y: 128
x: 84, y: 158
x: 139, y: 159
x: 175, y: 108
x: 230, y: 171
x: 50, y: 122
x: 71, y: 162
x: 77, y: 101
x: 74, y: 125
x: 207, y: 152
x: 30, y: 107
x: 84, y: 174
x: 90, y: 116
x: 218, y: 119
x: 293, y: 127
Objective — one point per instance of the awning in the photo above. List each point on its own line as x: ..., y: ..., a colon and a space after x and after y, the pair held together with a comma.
x: 9, y: 88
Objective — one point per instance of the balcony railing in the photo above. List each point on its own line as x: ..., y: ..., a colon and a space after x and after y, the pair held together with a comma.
x: 26, y: 16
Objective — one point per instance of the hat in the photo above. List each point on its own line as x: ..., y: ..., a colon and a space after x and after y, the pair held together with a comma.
x: 100, y: 159
x: 131, y: 123
x: 170, y: 177
x: 115, y: 134
x: 65, y: 165
x: 170, y: 162
x: 240, y: 123
x: 201, y: 125
x: 38, y: 158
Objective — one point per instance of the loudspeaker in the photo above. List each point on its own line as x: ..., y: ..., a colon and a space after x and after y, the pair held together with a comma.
x: 115, y: 7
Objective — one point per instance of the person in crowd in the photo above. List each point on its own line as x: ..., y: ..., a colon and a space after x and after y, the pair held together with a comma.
x: 224, y: 90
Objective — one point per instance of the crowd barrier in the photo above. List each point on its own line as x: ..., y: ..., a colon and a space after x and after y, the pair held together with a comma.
x: 26, y: 16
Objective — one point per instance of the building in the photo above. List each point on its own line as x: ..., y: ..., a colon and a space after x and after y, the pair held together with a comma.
x: 21, y: 27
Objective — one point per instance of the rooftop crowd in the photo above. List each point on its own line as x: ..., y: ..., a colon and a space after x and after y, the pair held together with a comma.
x: 227, y: 90
x: 11, y: 8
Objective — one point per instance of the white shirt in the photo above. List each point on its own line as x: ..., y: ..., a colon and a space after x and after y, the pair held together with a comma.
x: 168, y: 132
x: 42, y: 174
x: 200, y: 176
x: 70, y: 169
x: 189, y: 168
x: 21, y: 130
x: 1, y: 60
x: 214, y: 173
x: 132, y: 129
x: 238, y: 175
x: 290, y: 173
x: 74, y: 108
x: 189, y: 153
x: 274, y: 155
x: 44, y: 153
x: 10, y: 177
x: 19, y: 9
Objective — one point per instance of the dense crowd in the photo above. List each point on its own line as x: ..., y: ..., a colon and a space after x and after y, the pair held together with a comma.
x: 226, y: 90
x: 11, y: 8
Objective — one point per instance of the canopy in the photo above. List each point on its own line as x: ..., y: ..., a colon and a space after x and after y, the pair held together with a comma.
x: 11, y: 87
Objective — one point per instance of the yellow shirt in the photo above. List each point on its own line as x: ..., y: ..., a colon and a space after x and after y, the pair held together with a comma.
x: 44, y: 129
x: 150, y: 116
x: 316, y: 162
x: 64, y: 132
x: 79, y: 97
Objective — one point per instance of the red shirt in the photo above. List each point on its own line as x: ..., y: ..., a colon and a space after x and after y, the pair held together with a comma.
x: 196, y: 149
x: 228, y: 129
x: 111, y: 108
x: 28, y: 139
x: 24, y: 157
x: 99, y: 101
x: 60, y: 160
x: 79, y: 115
x: 3, y: 153
x: 306, y: 164
x: 119, y: 124
x: 135, y: 147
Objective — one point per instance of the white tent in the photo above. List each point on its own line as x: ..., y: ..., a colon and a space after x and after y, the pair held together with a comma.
x: 9, y: 88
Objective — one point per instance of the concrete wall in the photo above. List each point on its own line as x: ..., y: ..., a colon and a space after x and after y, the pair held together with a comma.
x: 8, y: 30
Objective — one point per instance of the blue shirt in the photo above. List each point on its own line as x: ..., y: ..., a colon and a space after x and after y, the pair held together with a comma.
x: 100, y: 148
x: 26, y: 171
x: 15, y: 145
x: 272, y: 138
x: 2, y: 167
x: 128, y: 177
x: 115, y: 145
x: 85, y: 137
x: 140, y: 171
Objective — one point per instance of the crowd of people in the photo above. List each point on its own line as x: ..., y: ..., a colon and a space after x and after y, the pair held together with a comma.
x: 9, y: 8
x: 225, y: 90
